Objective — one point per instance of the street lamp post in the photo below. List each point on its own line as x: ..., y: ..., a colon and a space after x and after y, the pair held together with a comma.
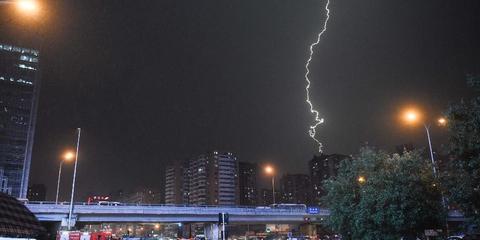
x: 70, y: 211
x: 412, y: 116
x: 443, y: 122
x: 270, y: 171
x: 427, y: 129
x: 67, y: 157
x: 58, y: 181
x: 273, y: 189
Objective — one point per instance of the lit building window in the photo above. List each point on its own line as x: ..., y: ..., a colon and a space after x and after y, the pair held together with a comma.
x: 28, y: 59
x: 26, y: 67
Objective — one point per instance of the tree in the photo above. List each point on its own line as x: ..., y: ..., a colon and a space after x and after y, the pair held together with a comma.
x: 463, y: 174
x: 381, y: 196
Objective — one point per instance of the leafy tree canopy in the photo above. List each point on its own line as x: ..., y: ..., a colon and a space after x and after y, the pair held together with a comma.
x: 380, y: 196
x: 463, y: 175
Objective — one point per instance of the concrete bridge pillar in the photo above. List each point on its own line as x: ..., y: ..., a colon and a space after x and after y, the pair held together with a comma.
x: 212, y: 232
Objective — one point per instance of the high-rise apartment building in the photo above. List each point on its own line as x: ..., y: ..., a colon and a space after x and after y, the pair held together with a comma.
x: 176, y: 183
x: 213, y: 179
x: 209, y: 179
x: 19, y: 85
x: 295, y: 188
x: 199, y: 180
x: 247, y: 182
x: 322, y: 168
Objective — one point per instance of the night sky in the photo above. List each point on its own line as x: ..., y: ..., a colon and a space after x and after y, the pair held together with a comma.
x: 152, y: 82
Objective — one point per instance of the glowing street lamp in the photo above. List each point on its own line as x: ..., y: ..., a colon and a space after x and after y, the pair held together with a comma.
x: 25, y: 7
x: 67, y: 156
x: 270, y: 171
x: 413, y: 116
x: 442, y: 121
x: 361, y: 179
x: 29, y: 7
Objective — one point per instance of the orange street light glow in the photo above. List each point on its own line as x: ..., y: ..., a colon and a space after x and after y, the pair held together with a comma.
x: 28, y: 6
x: 68, y: 156
x: 361, y: 179
x: 442, y: 121
x: 411, y: 115
x: 269, y: 170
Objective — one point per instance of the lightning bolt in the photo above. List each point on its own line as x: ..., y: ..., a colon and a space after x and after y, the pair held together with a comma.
x: 313, y: 128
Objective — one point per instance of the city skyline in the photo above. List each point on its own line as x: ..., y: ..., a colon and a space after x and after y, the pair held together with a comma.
x: 240, y: 119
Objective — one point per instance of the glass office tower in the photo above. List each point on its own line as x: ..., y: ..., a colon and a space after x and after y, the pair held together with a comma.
x: 19, y: 85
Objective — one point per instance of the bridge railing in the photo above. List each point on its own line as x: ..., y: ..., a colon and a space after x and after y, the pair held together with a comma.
x: 134, y: 204
x: 145, y: 204
x: 164, y: 205
x: 175, y: 207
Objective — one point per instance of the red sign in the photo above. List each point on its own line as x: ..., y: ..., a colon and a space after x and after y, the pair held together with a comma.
x: 74, y: 236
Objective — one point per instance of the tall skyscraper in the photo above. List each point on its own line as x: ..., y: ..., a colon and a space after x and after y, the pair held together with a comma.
x: 322, y: 168
x: 19, y: 86
x: 247, y: 182
x: 213, y: 179
x: 295, y: 188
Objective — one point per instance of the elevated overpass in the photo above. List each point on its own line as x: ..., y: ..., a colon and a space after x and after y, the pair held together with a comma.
x: 84, y: 213
x: 131, y: 213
